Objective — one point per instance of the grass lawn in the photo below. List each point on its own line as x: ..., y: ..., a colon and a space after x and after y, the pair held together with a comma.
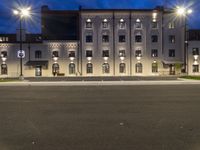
x: 191, y: 77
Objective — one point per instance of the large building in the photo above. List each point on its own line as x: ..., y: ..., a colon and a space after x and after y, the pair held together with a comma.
x: 98, y: 42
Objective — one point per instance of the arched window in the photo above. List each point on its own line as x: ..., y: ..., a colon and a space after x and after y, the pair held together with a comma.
x: 55, y: 69
x: 138, y: 68
x: 105, y: 68
x: 154, y: 67
x: 89, y: 68
x: 38, y: 54
x: 4, y: 69
x: 122, y: 68
x: 71, y: 68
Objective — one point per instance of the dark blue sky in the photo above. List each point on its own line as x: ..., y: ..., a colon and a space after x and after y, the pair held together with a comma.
x: 9, y: 23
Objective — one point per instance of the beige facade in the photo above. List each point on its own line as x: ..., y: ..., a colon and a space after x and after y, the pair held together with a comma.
x: 112, y: 43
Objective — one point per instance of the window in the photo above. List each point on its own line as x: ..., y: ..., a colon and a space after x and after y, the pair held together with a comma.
x: 122, y: 53
x: 195, y: 51
x: 88, y: 23
x: 122, y: 68
x: 38, y: 54
x: 122, y: 24
x: 71, y: 53
x: 105, y: 38
x: 3, y: 39
x: 195, y: 68
x: 171, y: 25
x: 154, y: 25
x: 88, y: 53
x: 138, y: 68
x: 89, y: 38
x: 138, y: 38
x: 154, y: 53
x: 105, y: 68
x: 154, y: 38
x: 4, y: 69
x: 138, y: 24
x: 89, y: 68
x: 105, y: 23
x: 138, y: 53
x: 105, y: 53
x: 4, y: 54
x: 154, y: 67
x: 55, y: 69
x: 172, y: 53
x: 71, y: 68
x: 172, y: 39
x: 122, y: 38
x: 55, y: 54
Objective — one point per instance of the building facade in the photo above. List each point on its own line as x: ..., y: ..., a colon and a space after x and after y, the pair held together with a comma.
x: 144, y: 42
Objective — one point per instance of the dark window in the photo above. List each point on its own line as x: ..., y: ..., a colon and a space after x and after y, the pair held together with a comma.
x: 122, y: 53
x: 88, y: 53
x: 105, y: 68
x: 71, y: 53
x: 172, y: 53
x: 195, y: 51
x: 195, y: 68
x: 138, y: 53
x: 122, y: 38
x: 154, y: 67
x: 55, y: 69
x: 138, y: 68
x: 72, y: 68
x: 138, y: 38
x: 154, y: 53
x: 89, y: 68
x: 171, y: 38
x: 55, y: 54
x: 154, y: 25
x: 105, y: 38
x: 138, y: 25
x: 38, y: 54
x: 105, y: 53
x: 89, y: 38
x: 122, y: 68
x: 4, y: 54
x: 154, y: 38
x: 4, y: 69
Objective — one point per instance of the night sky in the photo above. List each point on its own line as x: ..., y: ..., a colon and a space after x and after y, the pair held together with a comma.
x: 9, y: 22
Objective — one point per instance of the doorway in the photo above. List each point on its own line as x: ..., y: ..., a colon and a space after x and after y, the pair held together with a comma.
x: 38, y: 71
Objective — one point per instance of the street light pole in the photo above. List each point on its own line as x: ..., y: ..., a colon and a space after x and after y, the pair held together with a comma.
x: 21, y: 42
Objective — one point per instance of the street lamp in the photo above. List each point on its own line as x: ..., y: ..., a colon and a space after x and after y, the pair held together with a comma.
x: 184, y: 12
x: 22, y: 13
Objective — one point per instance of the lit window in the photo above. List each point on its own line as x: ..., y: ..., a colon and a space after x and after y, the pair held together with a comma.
x: 89, y: 23
x: 105, y: 68
x: 154, y: 67
x: 122, y: 53
x: 122, y: 68
x: 171, y: 25
x: 72, y: 68
x: 138, y: 68
x: 89, y: 68
x: 138, y: 53
x: 154, y: 53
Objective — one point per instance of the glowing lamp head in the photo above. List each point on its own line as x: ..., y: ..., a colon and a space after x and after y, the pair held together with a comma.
x: 181, y: 11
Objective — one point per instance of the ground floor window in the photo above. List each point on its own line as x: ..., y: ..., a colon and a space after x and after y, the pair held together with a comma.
x: 55, y: 69
x: 105, y: 68
x: 4, y: 69
x: 195, y: 68
x: 138, y: 68
x: 154, y: 67
x: 122, y: 68
x: 72, y: 68
x: 89, y: 68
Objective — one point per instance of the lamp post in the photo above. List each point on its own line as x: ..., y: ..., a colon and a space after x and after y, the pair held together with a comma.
x: 184, y: 12
x: 22, y: 13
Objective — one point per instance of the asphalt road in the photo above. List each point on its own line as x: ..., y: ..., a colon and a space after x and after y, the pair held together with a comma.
x: 151, y: 117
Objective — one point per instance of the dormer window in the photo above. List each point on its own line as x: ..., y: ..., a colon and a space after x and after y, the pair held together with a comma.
x: 88, y: 23
x: 138, y: 24
x: 105, y: 23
